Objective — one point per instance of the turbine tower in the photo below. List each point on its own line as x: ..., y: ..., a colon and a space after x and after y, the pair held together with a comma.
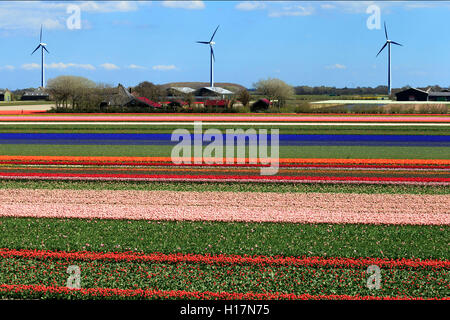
x: 212, y: 58
x: 388, y: 43
x: 42, y: 46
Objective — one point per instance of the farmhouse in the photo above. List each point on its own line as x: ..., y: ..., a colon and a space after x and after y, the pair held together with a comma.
x: 413, y: 94
x: 5, y: 95
x: 123, y: 98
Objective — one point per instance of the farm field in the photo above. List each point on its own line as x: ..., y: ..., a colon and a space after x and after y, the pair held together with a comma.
x: 109, y: 200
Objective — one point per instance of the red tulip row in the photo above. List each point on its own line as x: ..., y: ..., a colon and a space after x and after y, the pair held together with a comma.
x: 227, y: 259
x: 32, y: 274
x: 169, y: 164
x: 296, y: 161
x: 226, y: 178
x: 181, y: 294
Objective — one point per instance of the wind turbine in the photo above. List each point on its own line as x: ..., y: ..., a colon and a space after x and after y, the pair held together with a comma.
x: 212, y: 58
x: 388, y: 43
x: 42, y: 46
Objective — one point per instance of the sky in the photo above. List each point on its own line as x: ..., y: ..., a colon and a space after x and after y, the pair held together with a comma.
x: 302, y: 43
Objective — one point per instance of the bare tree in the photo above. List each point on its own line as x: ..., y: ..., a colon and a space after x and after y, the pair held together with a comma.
x: 275, y: 89
x: 244, y: 97
x: 189, y: 98
x: 69, y: 89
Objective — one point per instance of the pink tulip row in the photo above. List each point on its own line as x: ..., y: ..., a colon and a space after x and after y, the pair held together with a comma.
x: 228, y: 206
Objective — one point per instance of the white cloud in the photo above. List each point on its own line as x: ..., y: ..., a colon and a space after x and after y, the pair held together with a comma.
x: 336, y: 66
x: 250, y: 5
x: 292, y: 11
x: 52, y: 24
x: 109, y: 66
x: 190, y: 5
x: 109, y: 6
x: 7, y: 67
x: 134, y: 66
x: 164, y: 67
x: 358, y: 7
x: 30, y: 66
x: 25, y: 16
x: 327, y: 6
x: 61, y: 66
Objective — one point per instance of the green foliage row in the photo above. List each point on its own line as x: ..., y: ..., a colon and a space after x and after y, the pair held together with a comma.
x: 340, y: 152
x: 225, y: 187
x: 285, y: 239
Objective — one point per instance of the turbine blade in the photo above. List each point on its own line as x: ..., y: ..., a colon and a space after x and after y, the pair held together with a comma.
x: 396, y: 43
x: 45, y: 49
x: 382, y: 49
x: 385, y: 30
x: 40, y: 38
x: 204, y: 42
x: 36, y: 48
x: 212, y: 52
x: 214, y: 34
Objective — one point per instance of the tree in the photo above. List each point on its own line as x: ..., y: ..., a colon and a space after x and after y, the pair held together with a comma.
x: 244, y: 97
x: 275, y: 89
x: 149, y: 90
x: 73, y: 89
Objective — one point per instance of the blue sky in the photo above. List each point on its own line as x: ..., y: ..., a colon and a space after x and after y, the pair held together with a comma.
x: 303, y: 43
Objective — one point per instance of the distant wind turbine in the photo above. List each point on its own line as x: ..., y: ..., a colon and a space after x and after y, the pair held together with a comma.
x: 43, y: 47
x: 388, y: 43
x: 212, y: 58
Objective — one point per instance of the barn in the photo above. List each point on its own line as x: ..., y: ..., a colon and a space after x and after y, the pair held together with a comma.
x: 412, y: 94
x: 439, y: 96
x: 212, y: 93
x: 35, y: 95
x: 260, y: 105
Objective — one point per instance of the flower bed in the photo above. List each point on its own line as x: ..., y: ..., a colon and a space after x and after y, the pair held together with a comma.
x: 336, y: 208
x: 124, y: 275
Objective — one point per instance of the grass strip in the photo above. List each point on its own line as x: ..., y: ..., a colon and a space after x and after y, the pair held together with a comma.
x: 300, y: 129
x: 285, y: 239
x: 343, y: 152
x: 225, y: 186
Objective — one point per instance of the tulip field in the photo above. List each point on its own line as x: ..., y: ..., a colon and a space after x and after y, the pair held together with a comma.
x: 102, y: 194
